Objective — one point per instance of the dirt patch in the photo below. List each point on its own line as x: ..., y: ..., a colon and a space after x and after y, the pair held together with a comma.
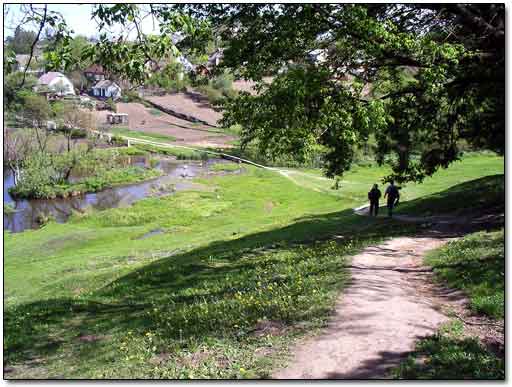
x: 90, y: 338
x: 8, y: 370
x: 189, y: 103
x: 377, y: 320
x: 193, y: 360
x: 264, y: 351
x: 268, y: 328
x: 160, y: 358
x: 141, y: 119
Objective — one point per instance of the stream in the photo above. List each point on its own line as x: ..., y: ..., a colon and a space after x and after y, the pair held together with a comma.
x: 179, y: 174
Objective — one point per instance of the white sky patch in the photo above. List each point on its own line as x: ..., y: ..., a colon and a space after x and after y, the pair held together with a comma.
x: 78, y: 17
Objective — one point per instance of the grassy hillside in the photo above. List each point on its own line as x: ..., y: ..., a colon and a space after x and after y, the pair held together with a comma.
x: 218, y: 290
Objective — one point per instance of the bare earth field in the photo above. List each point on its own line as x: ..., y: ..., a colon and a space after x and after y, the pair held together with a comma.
x: 148, y: 120
x: 190, y: 103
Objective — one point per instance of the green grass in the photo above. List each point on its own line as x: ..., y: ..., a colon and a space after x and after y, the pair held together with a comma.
x: 449, y: 355
x: 123, y: 131
x: 155, y: 112
x: 444, y: 187
x: 190, y: 300
x: 126, y: 151
x: 226, y: 167
x: 475, y: 264
x: 180, y: 153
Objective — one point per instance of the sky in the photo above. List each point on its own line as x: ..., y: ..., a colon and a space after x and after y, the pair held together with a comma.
x: 77, y: 16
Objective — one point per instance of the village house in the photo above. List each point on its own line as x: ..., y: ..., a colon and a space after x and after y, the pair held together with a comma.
x: 95, y: 73
x: 106, y: 89
x: 56, y: 83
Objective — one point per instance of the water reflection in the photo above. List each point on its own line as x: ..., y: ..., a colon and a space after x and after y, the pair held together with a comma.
x: 27, y: 212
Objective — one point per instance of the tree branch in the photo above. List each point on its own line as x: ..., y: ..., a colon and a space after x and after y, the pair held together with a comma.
x: 41, y: 26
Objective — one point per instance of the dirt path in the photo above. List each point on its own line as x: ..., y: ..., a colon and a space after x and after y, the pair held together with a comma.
x: 377, y: 319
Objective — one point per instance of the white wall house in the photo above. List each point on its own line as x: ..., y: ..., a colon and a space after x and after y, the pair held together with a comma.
x: 55, y: 82
x: 106, y: 89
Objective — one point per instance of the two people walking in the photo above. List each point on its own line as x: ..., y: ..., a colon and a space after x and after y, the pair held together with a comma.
x: 392, y: 194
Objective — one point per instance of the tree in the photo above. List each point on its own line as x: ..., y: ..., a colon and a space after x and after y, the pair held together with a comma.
x: 78, y: 45
x: 421, y: 77
x: 36, y: 112
x: 78, y: 80
x: 74, y: 119
x: 18, y: 147
x: 13, y: 94
x: 61, y: 88
x: 22, y: 40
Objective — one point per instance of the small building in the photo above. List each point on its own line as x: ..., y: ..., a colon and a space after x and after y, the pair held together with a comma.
x: 106, y: 89
x: 95, y: 73
x: 117, y: 118
x: 56, y: 83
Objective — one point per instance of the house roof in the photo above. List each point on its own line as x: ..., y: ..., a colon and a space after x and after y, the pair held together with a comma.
x: 45, y: 79
x: 95, y: 69
x: 217, y: 55
x: 105, y: 84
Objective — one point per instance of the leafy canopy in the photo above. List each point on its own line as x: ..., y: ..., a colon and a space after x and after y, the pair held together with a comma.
x: 421, y: 78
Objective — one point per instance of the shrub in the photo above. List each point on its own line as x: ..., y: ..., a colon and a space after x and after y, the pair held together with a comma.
x: 130, y: 96
x: 214, y: 96
x: 222, y: 82
x: 111, y: 105
x: 118, y: 141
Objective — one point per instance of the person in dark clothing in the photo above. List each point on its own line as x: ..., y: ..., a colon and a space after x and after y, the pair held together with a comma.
x: 393, y: 197
x: 374, y: 196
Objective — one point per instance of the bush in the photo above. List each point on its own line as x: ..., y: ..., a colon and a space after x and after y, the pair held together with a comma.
x: 217, y: 89
x: 214, y: 96
x: 111, y: 105
x: 222, y: 82
x: 45, y: 176
x: 118, y: 141
x: 78, y: 133
x: 130, y: 96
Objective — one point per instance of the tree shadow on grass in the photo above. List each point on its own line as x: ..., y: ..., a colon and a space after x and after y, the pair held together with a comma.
x: 450, y: 358
x: 194, y: 294
x: 486, y: 194
x: 181, y: 284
